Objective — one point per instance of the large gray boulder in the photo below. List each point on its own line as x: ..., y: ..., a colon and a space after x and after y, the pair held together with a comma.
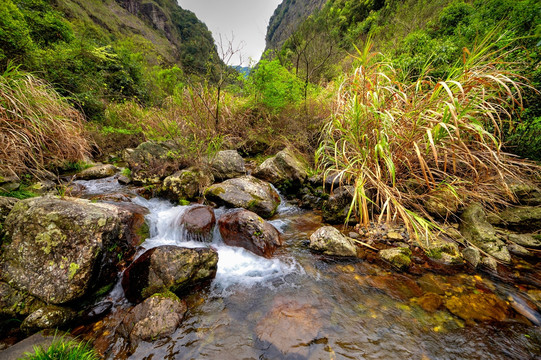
x: 185, y: 184
x: 245, y: 192
x: 285, y: 171
x: 155, y: 318
x: 168, y: 268
x: 150, y: 162
x: 246, y: 229
x: 330, y: 241
x: 476, y: 229
x: 60, y: 249
x: 97, y: 172
x: 227, y: 164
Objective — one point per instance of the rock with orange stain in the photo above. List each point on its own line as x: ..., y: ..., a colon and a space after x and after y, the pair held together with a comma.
x: 478, y: 307
x: 430, y: 302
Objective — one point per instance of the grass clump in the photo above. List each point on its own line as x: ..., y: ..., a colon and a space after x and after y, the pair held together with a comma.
x: 38, y: 129
x: 399, y: 142
x: 62, y: 349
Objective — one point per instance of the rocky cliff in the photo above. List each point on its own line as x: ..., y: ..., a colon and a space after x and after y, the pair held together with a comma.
x: 287, y: 17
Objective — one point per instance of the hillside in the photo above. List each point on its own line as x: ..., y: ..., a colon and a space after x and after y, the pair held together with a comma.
x: 286, y: 18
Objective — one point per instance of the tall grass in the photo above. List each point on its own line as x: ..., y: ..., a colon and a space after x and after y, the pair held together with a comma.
x: 37, y: 127
x: 401, y: 143
x: 62, y: 349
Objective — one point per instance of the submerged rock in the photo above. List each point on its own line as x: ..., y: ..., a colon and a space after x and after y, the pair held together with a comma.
x: 285, y: 170
x: 168, y: 268
x: 430, y: 302
x: 246, y: 229
x: 227, y: 164
x: 330, y: 241
x: 199, y: 221
x: 245, y: 192
x: 476, y: 229
x: 97, y: 172
x: 47, y: 317
x: 185, y: 184
x: 290, y: 326
x: 478, y: 307
x: 399, y: 257
x: 156, y: 317
x: 59, y: 249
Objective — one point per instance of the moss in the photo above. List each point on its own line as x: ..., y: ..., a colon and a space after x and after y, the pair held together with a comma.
x: 143, y: 232
x: 50, y: 239
x: 72, y: 270
x: 104, y: 290
x: 183, y: 202
x: 167, y: 294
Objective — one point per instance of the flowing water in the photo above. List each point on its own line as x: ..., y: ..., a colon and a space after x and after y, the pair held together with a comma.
x: 299, y: 305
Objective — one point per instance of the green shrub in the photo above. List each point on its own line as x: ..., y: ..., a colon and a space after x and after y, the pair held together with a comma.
x: 15, y: 40
x: 62, y: 349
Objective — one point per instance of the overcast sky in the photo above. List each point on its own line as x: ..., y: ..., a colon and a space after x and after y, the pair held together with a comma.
x: 247, y: 20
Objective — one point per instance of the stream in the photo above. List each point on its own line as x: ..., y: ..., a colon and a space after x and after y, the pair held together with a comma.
x: 301, y: 305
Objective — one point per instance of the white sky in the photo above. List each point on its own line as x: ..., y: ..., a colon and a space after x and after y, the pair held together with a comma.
x: 247, y: 20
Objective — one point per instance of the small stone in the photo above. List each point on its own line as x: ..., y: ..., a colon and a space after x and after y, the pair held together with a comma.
x: 9, y: 183
x: 399, y: 257
x: 353, y: 235
x: 518, y: 250
x: 124, y: 180
x: 97, y: 172
x: 393, y: 235
x: 490, y: 263
x: 330, y: 241
x: 472, y: 255
x: 527, y: 240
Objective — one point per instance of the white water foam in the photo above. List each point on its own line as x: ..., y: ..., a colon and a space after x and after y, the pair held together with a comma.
x: 101, y: 186
x: 236, y: 266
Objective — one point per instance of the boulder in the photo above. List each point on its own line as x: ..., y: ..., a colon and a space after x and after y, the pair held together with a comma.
x: 47, y: 317
x: 97, y: 172
x: 60, y: 249
x: 330, y: 241
x: 168, y: 268
x: 478, y: 307
x: 336, y: 208
x: 16, y: 303
x: 152, y: 161
x: 245, y: 192
x: 246, y: 229
x: 155, y: 318
x: 198, y: 221
x: 520, y: 219
x: 6, y: 204
x: 227, y: 164
x: 185, y: 184
x: 9, y: 183
x: 399, y: 257
x: 476, y: 229
x: 285, y: 170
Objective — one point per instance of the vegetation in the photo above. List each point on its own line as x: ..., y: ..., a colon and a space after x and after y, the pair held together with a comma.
x: 62, y: 349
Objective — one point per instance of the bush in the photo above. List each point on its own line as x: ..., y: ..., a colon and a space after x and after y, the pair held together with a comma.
x: 15, y: 41
x: 38, y: 128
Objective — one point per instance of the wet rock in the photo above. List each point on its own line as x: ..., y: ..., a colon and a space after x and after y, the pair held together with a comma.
x: 227, y: 164
x: 285, y: 170
x: 16, y: 303
x: 47, y: 317
x: 490, y: 263
x: 9, y: 183
x: 330, y: 241
x: 526, y: 240
x: 42, y: 187
x: 290, y: 326
x: 124, y: 180
x: 97, y: 172
x: 472, y: 256
x: 478, y: 307
x: 442, y: 203
x: 245, y: 192
x: 399, y: 287
x: 95, y: 312
x: 59, y: 249
x: 246, y: 229
x: 518, y: 250
x: 155, y: 318
x: 185, y: 184
x: 430, y: 302
x: 445, y: 251
x: 520, y: 219
x: 475, y: 228
x: 198, y: 221
x: 168, y: 268
x: 336, y: 208
x: 152, y: 161
x: 399, y: 257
